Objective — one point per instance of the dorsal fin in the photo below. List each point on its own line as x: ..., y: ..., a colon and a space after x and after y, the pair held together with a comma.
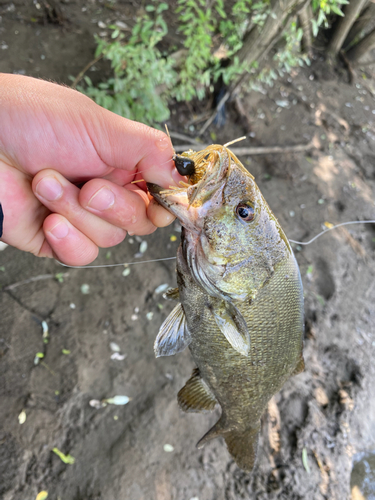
x: 196, y: 396
x: 173, y: 335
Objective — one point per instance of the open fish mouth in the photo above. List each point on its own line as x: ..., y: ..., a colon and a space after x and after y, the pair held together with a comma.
x: 192, y: 200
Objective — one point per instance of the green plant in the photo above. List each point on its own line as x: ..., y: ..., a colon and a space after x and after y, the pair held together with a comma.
x: 145, y: 79
x: 322, y: 9
x: 142, y: 77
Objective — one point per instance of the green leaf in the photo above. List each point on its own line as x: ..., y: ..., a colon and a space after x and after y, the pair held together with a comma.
x: 67, y: 459
x: 315, y: 28
x: 305, y: 460
x: 337, y: 10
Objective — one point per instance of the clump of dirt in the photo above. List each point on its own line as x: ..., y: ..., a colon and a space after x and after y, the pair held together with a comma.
x: 100, y: 344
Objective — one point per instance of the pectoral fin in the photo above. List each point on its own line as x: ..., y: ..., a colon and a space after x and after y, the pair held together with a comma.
x: 233, y: 326
x: 172, y: 294
x: 196, y: 396
x: 173, y: 335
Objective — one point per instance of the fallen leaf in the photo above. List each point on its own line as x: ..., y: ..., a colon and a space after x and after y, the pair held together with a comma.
x: 22, y: 417
x: 67, y: 459
x: 42, y: 495
x: 117, y: 400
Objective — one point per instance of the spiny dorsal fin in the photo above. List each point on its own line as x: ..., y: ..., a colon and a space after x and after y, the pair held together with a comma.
x: 300, y: 366
x: 172, y: 294
x: 196, y: 396
x: 173, y: 335
x: 233, y: 326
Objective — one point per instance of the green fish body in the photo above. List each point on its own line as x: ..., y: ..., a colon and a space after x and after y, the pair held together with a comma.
x: 240, y: 299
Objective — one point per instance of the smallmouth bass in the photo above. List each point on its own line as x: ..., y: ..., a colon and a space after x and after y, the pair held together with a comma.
x: 240, y: 297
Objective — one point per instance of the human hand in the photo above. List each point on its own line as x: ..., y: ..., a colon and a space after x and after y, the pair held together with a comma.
x: 51, y: 138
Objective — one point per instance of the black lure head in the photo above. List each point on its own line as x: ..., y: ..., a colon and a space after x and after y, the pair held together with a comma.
x: 1, y: 220
x: 184, y: 165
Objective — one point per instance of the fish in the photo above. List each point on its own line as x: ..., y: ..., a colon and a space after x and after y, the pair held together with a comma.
x: 240, y: 299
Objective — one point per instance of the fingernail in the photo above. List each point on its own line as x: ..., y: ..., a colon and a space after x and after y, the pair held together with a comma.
x: 102, y: 199
x: 60, y: 230
x: 49, y: 188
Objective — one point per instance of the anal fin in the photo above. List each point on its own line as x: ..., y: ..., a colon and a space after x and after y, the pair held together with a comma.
x: 196, y: 396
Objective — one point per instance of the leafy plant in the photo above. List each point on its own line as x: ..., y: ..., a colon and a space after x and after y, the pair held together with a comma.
x: 145, y: 79
x: 322, y: 9
x: 139, y: 68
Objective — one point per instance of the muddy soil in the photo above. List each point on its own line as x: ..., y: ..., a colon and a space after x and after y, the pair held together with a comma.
x: 313, y: 428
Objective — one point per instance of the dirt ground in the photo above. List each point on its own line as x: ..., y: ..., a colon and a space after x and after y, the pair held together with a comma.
x: 319, y: 421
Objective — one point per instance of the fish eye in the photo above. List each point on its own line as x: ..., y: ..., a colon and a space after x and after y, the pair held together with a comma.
x: 184, y: 165
x: 245, y: 212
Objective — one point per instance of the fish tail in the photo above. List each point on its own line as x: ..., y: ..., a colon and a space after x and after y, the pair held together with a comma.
x: 242, y: 444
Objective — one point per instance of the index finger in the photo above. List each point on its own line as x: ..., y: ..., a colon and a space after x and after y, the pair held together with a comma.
x: 50, y: 126
x: 133, y: 147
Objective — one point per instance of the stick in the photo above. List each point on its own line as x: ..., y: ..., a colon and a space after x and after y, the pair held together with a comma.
x: 82, y: 72
x: 183, y: 137
x: 222, y: 101
x: 256, y: 151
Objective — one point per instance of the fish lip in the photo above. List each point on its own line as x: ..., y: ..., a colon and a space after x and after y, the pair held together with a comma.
x: 184, y: 213
x: 155, y: 189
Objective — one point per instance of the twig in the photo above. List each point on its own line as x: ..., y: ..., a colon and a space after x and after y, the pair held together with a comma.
x: 183, y: 137
x: 48, y: 368
x: 222, y: 101
x: 34, y: 278
x: 81, y: 74
x: 257, y: 151
x: 199, y: 118
x: 228, y: 94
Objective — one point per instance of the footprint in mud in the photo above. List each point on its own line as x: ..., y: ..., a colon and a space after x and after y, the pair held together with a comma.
x: 324, y: 280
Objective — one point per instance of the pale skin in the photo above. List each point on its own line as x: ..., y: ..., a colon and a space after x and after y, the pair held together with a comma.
x: 53, y: 139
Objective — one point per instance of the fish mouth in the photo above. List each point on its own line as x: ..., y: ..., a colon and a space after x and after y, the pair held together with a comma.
x: 190, y: 203
x: 177, y: 203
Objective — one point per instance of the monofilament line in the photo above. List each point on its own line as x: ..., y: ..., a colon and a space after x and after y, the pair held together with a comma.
x: 172, y: 258
x: 116, y: 265
x: 331, y: 228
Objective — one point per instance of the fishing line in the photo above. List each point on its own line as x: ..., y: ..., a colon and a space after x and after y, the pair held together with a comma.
x: 115, y: 265
x: 330, y: 229
x: 172, y: 258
